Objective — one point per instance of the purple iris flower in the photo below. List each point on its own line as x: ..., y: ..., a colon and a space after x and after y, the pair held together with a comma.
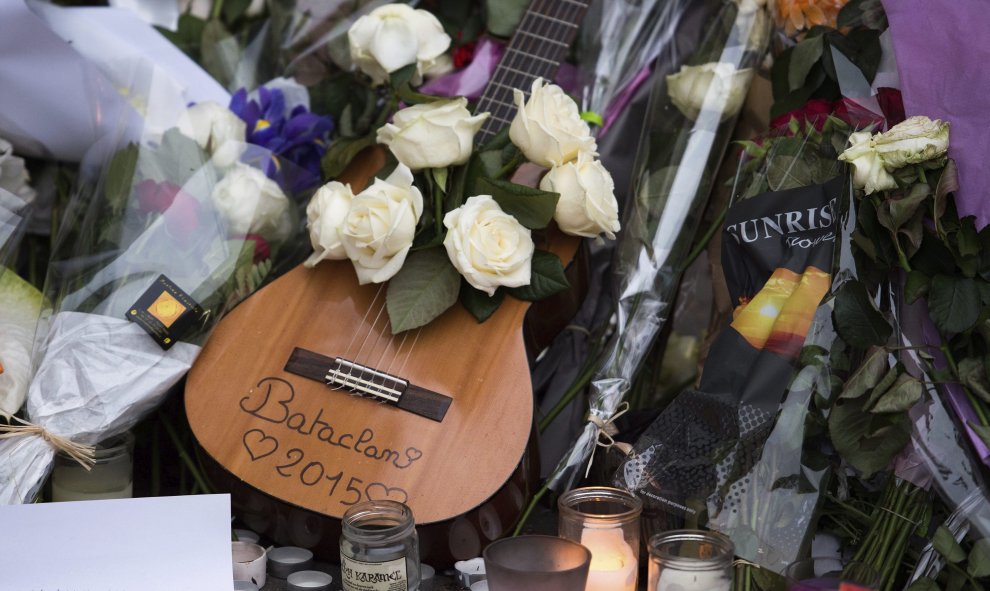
x: 299, y: 136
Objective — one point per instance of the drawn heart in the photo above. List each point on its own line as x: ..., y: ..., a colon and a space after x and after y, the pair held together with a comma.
x: 259, y: 445
x: 376, y: 491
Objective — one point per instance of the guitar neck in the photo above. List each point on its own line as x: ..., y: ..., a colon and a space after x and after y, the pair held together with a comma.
x: 536, y: 49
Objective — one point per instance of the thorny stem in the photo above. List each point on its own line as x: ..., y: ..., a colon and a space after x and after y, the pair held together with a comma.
x: 703, y: 243
x: 529, y: 508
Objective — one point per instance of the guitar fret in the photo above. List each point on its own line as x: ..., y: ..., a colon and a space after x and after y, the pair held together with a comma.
x: 526, y: 74
x: 544, y: 39
x: 556, y: 20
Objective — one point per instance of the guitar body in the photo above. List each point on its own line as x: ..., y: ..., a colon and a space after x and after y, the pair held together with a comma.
x: 319, y: 451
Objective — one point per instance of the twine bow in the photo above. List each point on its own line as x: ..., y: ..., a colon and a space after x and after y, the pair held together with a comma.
x: 606, y: 433
x: 84, y: 454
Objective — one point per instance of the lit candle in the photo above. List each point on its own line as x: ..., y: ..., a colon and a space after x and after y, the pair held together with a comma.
x: 613, y: 562
x: 672, y: 579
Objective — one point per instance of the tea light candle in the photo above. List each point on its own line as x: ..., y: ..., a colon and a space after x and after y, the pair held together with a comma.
x: 246, y: 535
x: 686, y: 580
x: 426, y: 573
x: 613, y: 562
x: 309, y: 580
x: 470, y: 571
x: 286, y: 560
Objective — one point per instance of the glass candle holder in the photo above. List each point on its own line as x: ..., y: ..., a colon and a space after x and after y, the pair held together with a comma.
x: 605, y: 521
x: 690, y: 560
x: 379, y: 545
x: 111, y: 476
x: 536, y: 563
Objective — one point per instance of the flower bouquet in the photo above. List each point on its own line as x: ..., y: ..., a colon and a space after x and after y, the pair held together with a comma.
x: 446, y: 223
x: 692, y: 115
x: 150, y: 254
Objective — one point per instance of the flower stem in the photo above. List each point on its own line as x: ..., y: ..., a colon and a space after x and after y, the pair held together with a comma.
x: 576, y: 386
x: 217, y: 9
x: 513, y: 164
x: 703, y: 243
x: 529, y: 508
x: 183, y: 455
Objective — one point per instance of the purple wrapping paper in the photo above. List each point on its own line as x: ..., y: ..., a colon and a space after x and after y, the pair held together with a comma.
x: 469, y: 82
x: 942, y: 58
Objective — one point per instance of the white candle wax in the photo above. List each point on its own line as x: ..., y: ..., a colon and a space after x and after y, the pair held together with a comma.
x: 688, y: 580
x: 613, y: 562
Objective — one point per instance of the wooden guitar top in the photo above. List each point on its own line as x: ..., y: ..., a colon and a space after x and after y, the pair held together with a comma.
x: 324, y: 449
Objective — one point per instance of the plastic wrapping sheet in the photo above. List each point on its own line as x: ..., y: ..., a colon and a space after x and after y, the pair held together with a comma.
x: 151, y: 251
x: 680, y: 150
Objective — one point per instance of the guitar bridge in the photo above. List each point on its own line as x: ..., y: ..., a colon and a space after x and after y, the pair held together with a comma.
x: 361, y: 380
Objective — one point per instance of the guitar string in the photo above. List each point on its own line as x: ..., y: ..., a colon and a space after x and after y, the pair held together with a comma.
x: 347, y: 353
x: 418, y: 332
x: 517, y: 76
x: 372, y: 329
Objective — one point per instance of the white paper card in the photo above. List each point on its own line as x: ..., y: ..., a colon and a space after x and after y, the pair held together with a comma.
x: 152, y: 544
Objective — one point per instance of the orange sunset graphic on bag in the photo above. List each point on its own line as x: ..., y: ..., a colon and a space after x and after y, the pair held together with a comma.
x: 778, y: 317
x: 166, y: 309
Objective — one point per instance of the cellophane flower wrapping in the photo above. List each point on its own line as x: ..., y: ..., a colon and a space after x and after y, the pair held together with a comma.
x: 151, y: 251
x: 692, y: 113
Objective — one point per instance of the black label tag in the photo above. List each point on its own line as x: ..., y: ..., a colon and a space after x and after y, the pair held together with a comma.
x: 165, y: 312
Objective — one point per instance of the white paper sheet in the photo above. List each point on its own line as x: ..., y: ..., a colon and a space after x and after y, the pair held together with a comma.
x: 153, y: 544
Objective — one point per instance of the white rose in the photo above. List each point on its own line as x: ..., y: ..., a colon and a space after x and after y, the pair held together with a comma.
x: 211, y: 125
x: 548, y: 127
x: 913, y: 141
x: 325, y: 216
x: 13, y: 175
x: 394, y: 36
x: 869, y: 173
x: 488, y: 246
x: 587, y: 205
x: 716, y: 85
x: 380, y: 226
x: 252, y: 203
x: 432, y: 135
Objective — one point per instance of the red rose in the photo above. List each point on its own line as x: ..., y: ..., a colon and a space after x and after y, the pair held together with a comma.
x: 856, y: 115
x: 262, y: 250
x: 815, y: 110
x: 464, y: 54
x: 155, y: 197
x: 892, y: 105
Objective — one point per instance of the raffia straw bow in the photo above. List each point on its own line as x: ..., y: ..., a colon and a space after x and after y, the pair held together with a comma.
x: 84, y: 454
x: 607, y: 431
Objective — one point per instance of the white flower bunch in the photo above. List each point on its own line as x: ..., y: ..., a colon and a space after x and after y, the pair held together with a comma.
x: 874, y: 157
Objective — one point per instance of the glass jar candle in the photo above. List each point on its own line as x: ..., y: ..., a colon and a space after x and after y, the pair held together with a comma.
x: 379, y: 549
x: 605, y: 521
x: 111, y: 476
x: 690, y: 560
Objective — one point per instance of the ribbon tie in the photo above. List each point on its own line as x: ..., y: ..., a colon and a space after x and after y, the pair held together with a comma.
x: 606, y: 434
x: 77, y: 451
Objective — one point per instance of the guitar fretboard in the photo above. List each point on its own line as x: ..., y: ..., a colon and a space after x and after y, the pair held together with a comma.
x: 536, y: 49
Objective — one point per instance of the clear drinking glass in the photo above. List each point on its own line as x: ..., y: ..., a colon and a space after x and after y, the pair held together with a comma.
x: 112, y: 475
x: 536, y: 563
x: 604, y: 520
x: 690, y: 560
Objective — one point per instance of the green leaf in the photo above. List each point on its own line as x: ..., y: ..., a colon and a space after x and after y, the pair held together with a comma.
x: 806, y: 54
x: 341, y: 152
x: 916, y: 286
x: 867, y: 441
x: 881, y: 388
x: 179, y: 157
x: 220, y: 53
x: 947, y: 183
x: 546, y: 279
x: 120, y: 177
x: 401, y: 76
x: 479, y: 303
x: 188, y: 36
x: 978, y: 565
x: 423, y: 289
x: 867, y: 375
x: 440, y: 178
x: 947, y: 546
x: 857, y: 320
x: 973, y: 375
x: 895, y: 212
x: 234, y: 9
x: 503, y: 16
x: 982, y: 431
x: 905, y: 392
x: 533, y: 208
x: 924, y: 584
x: 954, y: 303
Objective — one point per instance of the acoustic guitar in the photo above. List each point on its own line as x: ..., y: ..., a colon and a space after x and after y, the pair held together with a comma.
x: 305, y: 404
